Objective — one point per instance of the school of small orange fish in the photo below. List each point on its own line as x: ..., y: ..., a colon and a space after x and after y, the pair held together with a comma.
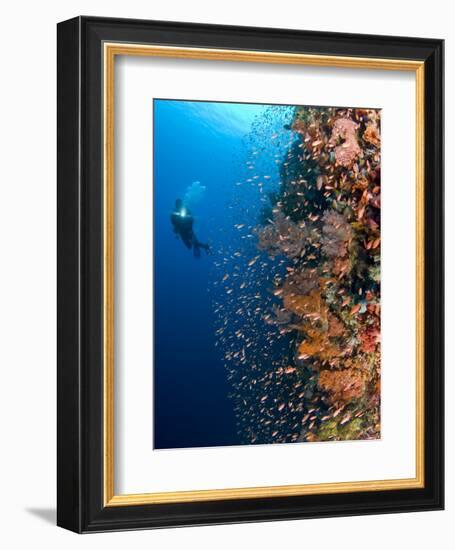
x: 298, y: 321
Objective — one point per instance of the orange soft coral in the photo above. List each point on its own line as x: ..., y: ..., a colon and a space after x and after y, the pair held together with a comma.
x: 372, y: 135
x: 343, y: 385
x: 317, y: 344
x: 336, y: 327
x: 310, y: 305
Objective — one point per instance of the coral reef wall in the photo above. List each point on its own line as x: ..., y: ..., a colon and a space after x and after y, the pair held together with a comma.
x: 323, y: 226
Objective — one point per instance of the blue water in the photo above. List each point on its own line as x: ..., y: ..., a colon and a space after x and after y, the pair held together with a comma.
x: 210, y: 143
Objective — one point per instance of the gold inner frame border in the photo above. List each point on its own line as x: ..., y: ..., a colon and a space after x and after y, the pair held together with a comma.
x: 110, y: 51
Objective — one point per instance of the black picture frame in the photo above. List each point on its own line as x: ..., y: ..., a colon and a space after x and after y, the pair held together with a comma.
x: 80, y: 474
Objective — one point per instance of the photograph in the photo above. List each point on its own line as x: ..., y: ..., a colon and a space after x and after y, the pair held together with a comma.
x: 267, y: 273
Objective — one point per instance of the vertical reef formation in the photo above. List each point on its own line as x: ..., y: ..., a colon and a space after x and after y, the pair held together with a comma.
x: 325, y: 221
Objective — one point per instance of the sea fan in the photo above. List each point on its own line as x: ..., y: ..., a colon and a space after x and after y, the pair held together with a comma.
x: 282, y: 236
x: 301, y: 282
x: 336, y: 235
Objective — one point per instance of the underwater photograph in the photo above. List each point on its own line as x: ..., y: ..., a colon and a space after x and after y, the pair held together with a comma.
x: 267, y: 273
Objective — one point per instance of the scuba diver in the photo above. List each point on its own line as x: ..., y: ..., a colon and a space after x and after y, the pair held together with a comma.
x: 182, y: 223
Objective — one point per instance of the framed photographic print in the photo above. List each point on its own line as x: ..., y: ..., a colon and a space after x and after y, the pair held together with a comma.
x: 250, y: 274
